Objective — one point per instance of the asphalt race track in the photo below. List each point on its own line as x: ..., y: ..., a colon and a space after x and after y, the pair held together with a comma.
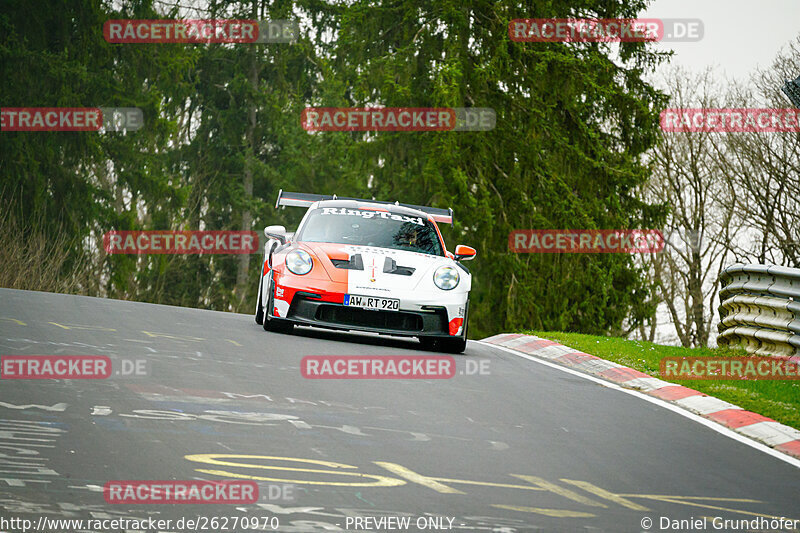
x: 519, y: 447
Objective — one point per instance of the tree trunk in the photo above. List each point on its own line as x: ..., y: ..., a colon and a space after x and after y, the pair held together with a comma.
x: 247, y: 218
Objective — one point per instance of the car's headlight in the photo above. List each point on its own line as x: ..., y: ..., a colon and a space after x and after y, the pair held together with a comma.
x: 446, y: 277
x: 299, y: 262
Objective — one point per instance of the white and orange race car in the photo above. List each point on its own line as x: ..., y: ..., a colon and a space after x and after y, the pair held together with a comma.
x: 366, y: 265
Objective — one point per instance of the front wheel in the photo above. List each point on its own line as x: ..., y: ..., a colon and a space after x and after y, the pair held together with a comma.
x: 259, y: 304
x: 457, y: 345
x: 445, y: 345
x: 448, y: 345
x: 276, y: 325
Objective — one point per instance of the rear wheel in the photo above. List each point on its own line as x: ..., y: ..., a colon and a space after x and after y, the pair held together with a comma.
x: 276, y: 325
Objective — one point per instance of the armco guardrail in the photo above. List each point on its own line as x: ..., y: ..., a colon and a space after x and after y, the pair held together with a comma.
x: 760, y: 309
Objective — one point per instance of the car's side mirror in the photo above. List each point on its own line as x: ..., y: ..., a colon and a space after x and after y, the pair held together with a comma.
x: 465, y: 253
x: 276, y: 232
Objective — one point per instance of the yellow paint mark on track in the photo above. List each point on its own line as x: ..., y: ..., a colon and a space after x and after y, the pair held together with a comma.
x: 174, y: 337
x: 606, y: 495
x: 14, y: 320
x: 561, y: 491
x: 557, y: 513
x: 486, y: 484
x: 442, y: 485
x: 412, y: 476
x: 213, y: 459
x: 658, y: 496
x: 78, y: 326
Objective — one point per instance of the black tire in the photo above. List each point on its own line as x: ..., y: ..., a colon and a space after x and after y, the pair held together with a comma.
x: 428, y: 343
x: 457, y: 345
x: 259, y: 305
x: 443, y: 344
x: 448, y: 345
x: 275, y: 325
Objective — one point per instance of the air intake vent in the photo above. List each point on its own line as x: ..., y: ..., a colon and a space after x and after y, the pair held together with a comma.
x: 354, y: 263
x: 368, y: 318
x: 390, y: 267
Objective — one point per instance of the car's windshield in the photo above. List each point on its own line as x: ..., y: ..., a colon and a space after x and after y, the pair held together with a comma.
x: 366, y: 227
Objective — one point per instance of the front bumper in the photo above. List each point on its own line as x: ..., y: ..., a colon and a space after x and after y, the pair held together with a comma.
x: 311, y: 305
x: 313, y: 312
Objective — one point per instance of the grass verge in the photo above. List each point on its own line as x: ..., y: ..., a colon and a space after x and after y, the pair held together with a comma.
x: 779, y: 400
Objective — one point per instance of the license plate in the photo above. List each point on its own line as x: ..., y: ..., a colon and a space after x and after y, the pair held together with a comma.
x: 372, y: 302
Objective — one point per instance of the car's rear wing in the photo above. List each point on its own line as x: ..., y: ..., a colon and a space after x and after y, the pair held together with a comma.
x: 302, y: 199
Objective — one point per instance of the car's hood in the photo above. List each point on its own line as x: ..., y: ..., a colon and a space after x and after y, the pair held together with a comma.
x: 378, y: 269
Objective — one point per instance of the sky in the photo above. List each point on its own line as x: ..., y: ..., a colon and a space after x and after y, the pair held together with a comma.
x: 740, y: 35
